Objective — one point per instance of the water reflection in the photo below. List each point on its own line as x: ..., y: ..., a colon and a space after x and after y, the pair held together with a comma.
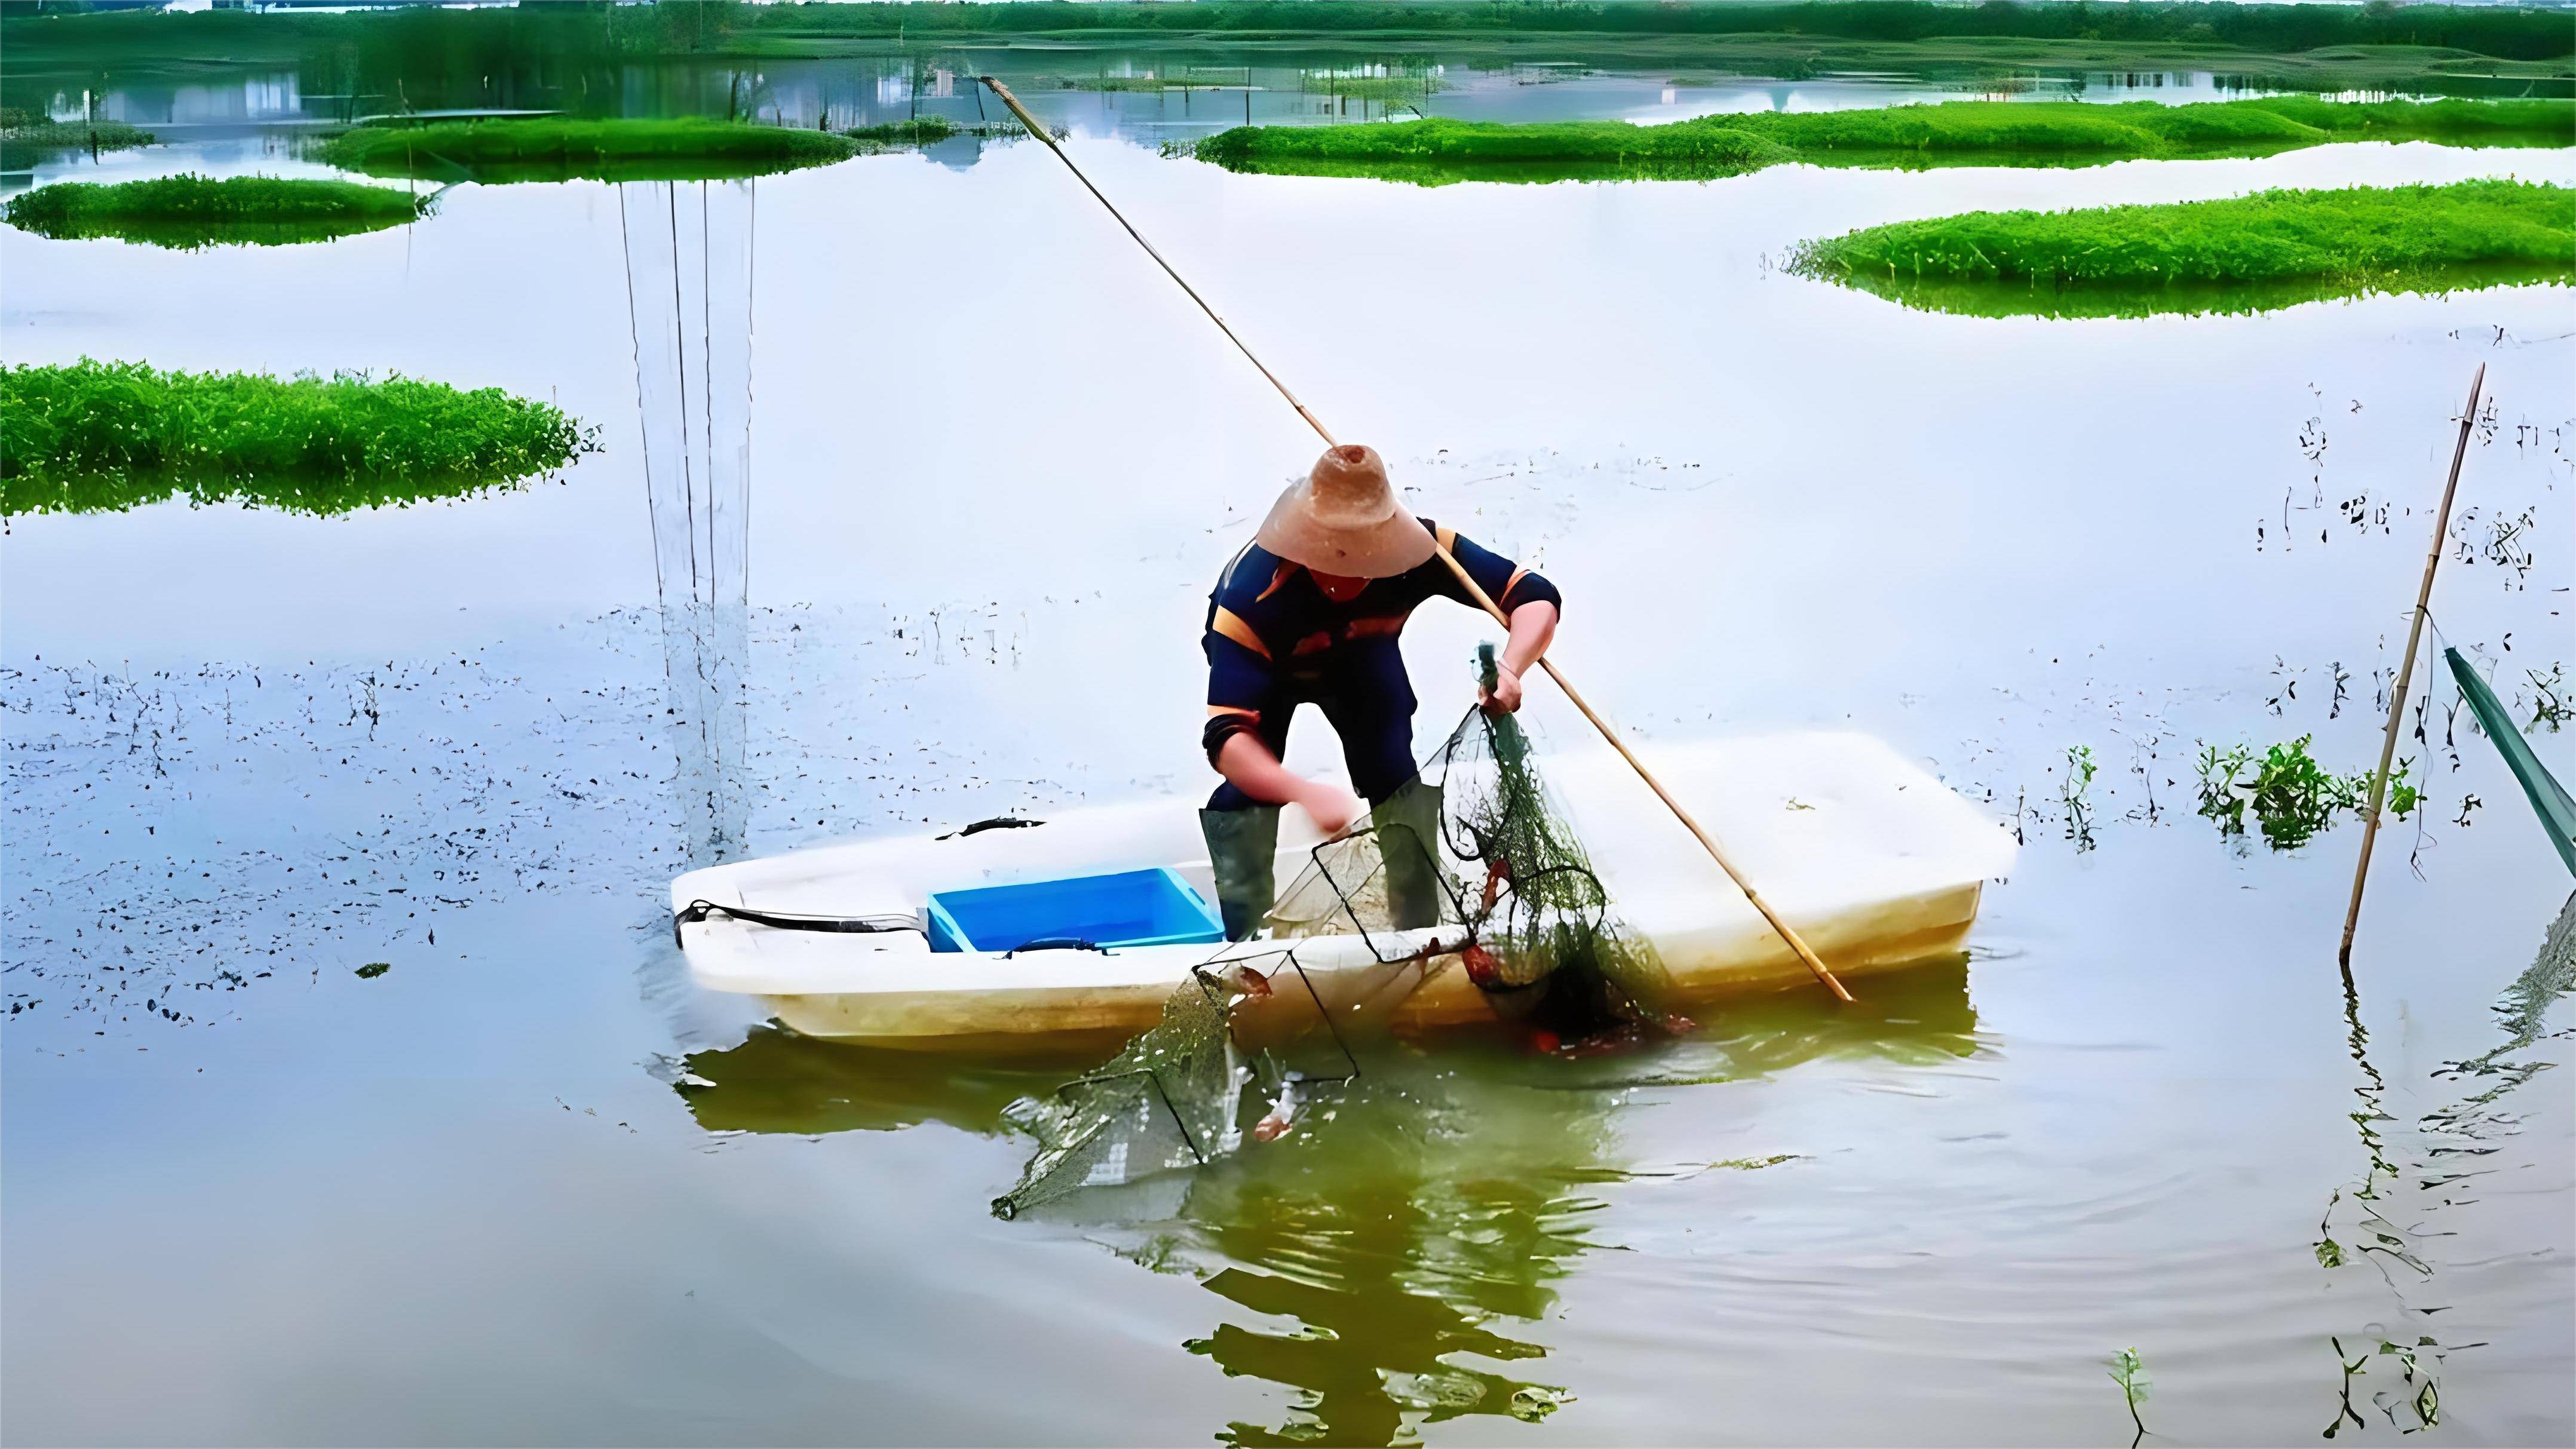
x: 779, y: 1081
x: 188, y: 235
x: 2029, y: 297
x: 1141, y: 92
x: 1382, y: 1259
x: 2397, y: 1206
x: 1443, y: 1198
x: 689, y: 282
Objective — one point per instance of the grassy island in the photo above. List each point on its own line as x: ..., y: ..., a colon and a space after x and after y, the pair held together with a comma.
x: 2245, y: 254
x: 558, y: 148
x: 103, y: 437
x: 2054, y: 133
x: 1438, y: 151
x: 198, y: 211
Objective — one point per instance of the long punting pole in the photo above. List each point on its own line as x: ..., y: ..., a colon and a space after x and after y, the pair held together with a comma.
x: 2406, y: 670
x: 1483, y: 600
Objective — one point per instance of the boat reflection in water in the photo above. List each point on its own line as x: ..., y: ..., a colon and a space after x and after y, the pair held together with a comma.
x: 1413, y: 1220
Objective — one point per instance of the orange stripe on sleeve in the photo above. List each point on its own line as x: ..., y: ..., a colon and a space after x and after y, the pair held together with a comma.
x: 1231, y: 625
x: 1215, y: 710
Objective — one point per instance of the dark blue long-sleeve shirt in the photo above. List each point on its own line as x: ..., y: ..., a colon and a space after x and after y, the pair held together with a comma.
x: 1278, y: 634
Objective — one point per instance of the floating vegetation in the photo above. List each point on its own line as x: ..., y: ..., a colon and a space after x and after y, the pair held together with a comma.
x: 197, y: 211
x: 2426, y: 1396
x: 2243, y: 254
x: 25, y: 140
x: 2130, y: 1373
x: 1754, y: 1164
x: 2154, y: 129
x: 103, y: 437
x: 2549, y: 706
x: 374, y: 969
x: 2048, y: 133
x: 2291, y: 798
x: 557, y: 148
x: 1532, y: 1402
x: 1437, y: 151
x: 2076, y: 793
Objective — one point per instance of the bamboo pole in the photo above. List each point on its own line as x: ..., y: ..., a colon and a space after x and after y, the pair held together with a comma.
x: 1797, y: 944
x: 2406, y: 670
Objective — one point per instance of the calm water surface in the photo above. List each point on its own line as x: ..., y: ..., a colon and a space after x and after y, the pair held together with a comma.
x: 528, y: 1185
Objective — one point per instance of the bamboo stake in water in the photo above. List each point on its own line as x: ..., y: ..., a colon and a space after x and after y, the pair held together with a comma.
x: 1797, y: 944
x: 2406, y: 670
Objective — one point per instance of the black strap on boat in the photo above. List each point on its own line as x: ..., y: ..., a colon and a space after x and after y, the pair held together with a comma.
x: 699, y: 910
x: 1056, y: 943
x: 998, y: 822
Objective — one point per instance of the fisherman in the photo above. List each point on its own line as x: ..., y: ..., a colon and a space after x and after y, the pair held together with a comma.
x: 1309, y: 613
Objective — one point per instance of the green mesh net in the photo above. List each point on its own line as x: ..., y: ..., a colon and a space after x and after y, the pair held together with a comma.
x: 1472, y: 865
x: 1548, y: 950
x: 1165, y: 1102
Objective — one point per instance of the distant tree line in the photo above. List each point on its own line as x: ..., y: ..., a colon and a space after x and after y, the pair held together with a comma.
x: 713, y: 26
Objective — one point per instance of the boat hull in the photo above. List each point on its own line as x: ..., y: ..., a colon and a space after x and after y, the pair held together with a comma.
x: 1876, y: 863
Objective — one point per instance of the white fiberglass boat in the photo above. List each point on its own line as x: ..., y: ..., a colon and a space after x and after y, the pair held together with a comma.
x: 1088, y: 921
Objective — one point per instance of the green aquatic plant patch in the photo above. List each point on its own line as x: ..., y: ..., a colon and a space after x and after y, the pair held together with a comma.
x: 103, y: 437
x: 2153, y: 129
x: 23, y: 143
x: 2243, y: 253
x: 2058, y: 133
x: 1439, y: 150
x: 197, y: 211
x: 2288, y: 795
x: 558, y: 148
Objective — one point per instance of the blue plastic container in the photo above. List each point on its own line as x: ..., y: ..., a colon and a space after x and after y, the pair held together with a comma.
x: 1132, y: 908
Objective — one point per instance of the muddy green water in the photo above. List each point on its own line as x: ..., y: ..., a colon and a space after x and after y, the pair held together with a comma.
x: 529, y: 1185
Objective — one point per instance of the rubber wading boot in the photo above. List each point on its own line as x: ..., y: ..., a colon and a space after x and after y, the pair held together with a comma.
x: 1243, y: 851
x: 1408, y: 840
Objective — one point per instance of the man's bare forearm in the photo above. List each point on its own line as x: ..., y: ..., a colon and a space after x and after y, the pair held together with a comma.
x: 1533, y: 628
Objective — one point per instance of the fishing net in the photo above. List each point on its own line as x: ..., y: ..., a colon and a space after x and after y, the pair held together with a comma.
x: 1547, y: 951
x: 1166, y: 1101
x: 1472, y: 862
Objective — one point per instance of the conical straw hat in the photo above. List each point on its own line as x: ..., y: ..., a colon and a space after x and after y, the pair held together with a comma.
x: 1343, y: 520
